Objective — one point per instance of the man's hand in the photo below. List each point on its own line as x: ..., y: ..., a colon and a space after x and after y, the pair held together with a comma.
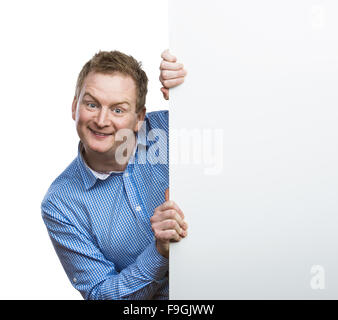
x: 168, y: 225
x: 172, y: 73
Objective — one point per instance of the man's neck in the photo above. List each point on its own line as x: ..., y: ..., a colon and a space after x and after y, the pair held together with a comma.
x: 103, y: 163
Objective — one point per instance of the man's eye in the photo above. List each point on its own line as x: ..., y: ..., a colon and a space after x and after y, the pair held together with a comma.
x: 118, y: 110
x: 91, y: 105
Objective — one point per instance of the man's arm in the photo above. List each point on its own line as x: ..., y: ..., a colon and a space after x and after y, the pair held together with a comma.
x: 91, y: 273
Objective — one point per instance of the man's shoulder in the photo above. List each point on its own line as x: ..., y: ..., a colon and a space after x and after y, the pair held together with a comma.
x: 157, y: 119
x: 69, y: 177
x: 160, y: 113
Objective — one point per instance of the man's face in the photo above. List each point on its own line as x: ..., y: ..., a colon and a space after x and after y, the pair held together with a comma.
x: 107, y: 103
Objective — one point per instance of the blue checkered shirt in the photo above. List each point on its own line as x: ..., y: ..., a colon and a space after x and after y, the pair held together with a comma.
x: 100, y: 228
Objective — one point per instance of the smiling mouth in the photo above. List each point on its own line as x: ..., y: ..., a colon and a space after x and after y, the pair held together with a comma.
x: 100, y: 134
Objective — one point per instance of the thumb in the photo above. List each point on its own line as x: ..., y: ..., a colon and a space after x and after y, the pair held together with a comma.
x: 165, y: 93
x: 166, y: 196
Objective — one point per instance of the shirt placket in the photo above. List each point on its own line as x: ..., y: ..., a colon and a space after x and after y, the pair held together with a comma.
x: 136, y: 204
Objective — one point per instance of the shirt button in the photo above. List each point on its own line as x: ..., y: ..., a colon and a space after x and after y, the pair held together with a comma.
x: 74, y: 279
x: 138, y: 208
x: 126, y: 174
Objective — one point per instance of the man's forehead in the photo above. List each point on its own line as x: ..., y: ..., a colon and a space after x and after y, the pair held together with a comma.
x: 106, y: 78
x: 109, y: 85
x: 109, y: 90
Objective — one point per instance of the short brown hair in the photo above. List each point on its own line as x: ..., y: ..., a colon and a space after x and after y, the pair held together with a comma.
x: 110, y: 62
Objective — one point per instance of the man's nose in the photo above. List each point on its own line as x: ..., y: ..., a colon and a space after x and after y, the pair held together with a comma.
x: 102, y: 118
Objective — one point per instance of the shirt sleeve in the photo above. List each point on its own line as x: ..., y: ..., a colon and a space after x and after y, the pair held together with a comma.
x: 91, y: 273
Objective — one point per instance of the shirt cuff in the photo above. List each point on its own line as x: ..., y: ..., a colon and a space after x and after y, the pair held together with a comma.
x: 152, y: 263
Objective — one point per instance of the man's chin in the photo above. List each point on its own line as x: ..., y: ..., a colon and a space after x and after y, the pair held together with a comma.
x: 99, y: 148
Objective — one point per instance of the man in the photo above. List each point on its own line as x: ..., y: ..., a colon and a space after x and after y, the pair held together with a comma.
x: 108, y: 214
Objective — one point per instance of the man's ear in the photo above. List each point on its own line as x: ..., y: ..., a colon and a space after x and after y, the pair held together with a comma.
x: 140, y: 118
x: 74, y: 108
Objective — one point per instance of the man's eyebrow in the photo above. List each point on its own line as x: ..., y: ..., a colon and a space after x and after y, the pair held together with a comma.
x: 121, y: 102
x: 97, y: 100
x: 91, y: 96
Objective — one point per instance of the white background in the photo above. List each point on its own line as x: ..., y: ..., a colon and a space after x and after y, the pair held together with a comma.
x: 44, y: 44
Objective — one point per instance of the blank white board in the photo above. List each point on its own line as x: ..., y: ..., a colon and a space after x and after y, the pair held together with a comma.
x: 254, y: 149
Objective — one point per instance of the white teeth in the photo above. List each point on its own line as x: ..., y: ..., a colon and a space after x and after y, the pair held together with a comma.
x: 100, y: 134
